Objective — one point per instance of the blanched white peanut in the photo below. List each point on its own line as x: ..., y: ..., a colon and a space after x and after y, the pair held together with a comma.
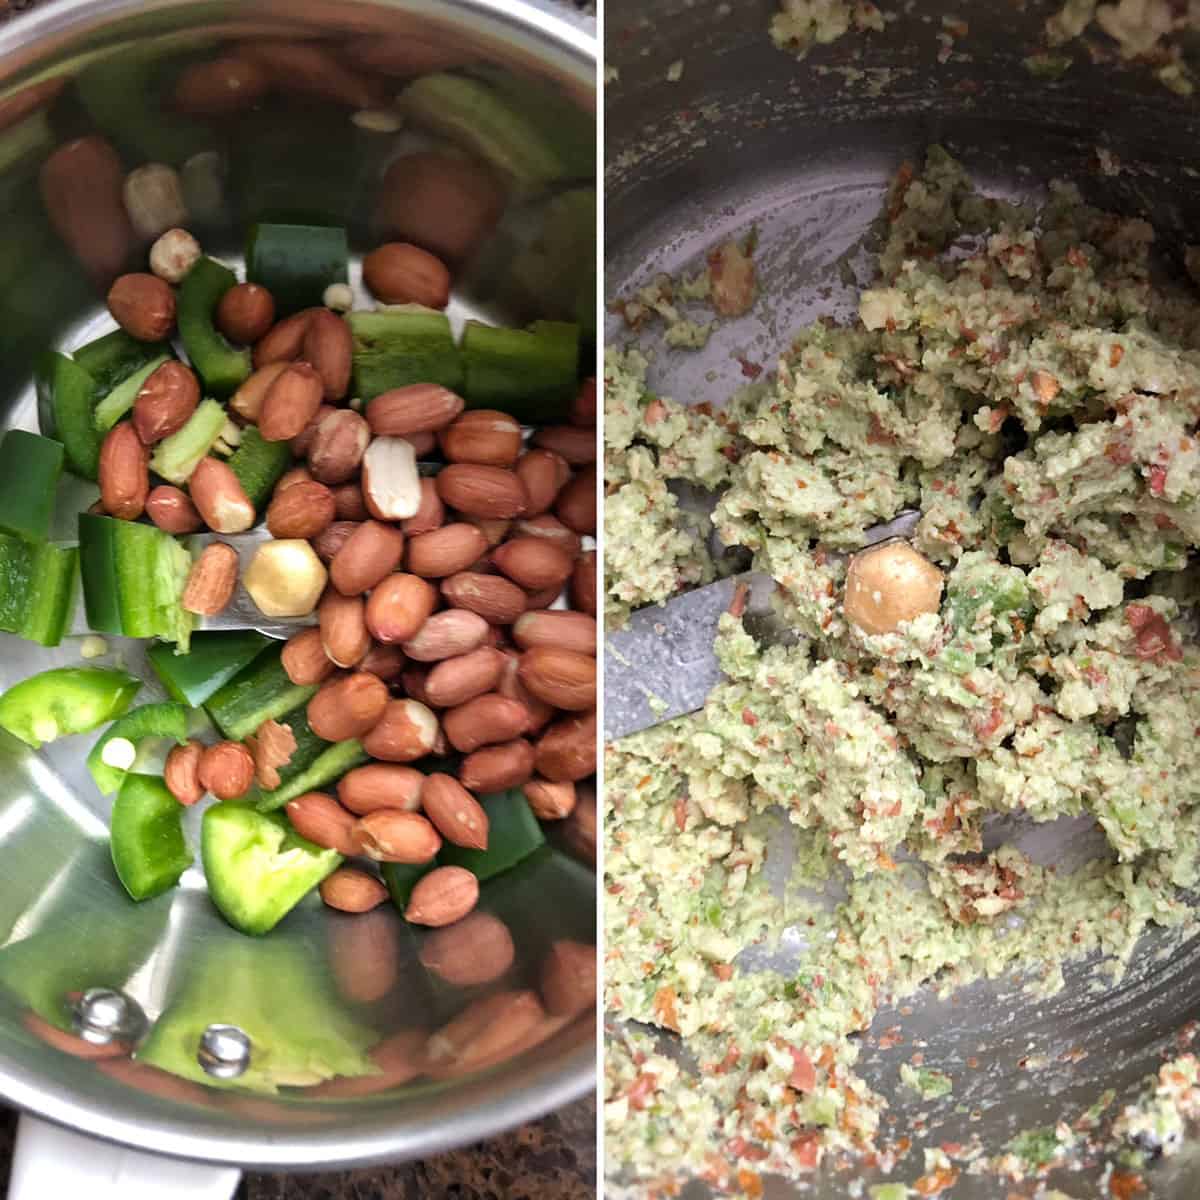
x: 390, y: 481
x: 339, y: 297
x: 154, y: 200
x: 174, y: 255
x: 203, y: 180
x: 285, y: 578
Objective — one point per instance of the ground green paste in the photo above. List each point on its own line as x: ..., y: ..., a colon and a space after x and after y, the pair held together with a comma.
x: 1018, y: 377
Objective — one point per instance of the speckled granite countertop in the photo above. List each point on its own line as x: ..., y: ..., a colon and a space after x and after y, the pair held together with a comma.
x: 551, y: 1159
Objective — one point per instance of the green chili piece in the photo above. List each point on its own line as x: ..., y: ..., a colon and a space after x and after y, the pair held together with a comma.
x: 148, y: 847
x: 65, y: 700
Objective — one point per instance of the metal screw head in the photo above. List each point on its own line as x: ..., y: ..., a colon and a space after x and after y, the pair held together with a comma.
x: 224, y: 1051
x: 104, y: 1015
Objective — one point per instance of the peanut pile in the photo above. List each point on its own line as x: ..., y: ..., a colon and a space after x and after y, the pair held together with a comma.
x: 434, y: 595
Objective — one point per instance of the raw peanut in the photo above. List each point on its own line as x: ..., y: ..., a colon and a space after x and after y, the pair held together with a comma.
x: 565, y: 630
x: 423, y: 443
x: 299, y: 445
x: 329, y: 346
x: 491, y: 492
x: 27, y: 100
x: 579, y: 829
x: 224, y: 85
x: 413, y: 680
x: 497, y: 600
x: 446, y: 635
x: 226, y: 769
x: 348, y: 707
x: 550, y: 801
x: 165, y: 401
x: 577, y: 446
x: 102, y: 1056
x: 172, y: 511
x: 544, y: 474
x: 391, y: 486
x: 447, y: 204
x: 399, y: 1057
x: 365, y: 959
x: 333, y: 539
x: 456, y: 680
x: 245, y: 313
x: 442, y: 897
x: 487, y: 1031
x: 381, y: 785
x: 484, y: 721
x: 399, y: 273
x: 348, y: 503
x: 417, y: 408
x: 290, y: 403
x: 583, y: 407
x: 404, y: 56
x: 352, y: 891
x: 302, y: 510
x: 445, y: 551
x: 174, y: 254
x: 455, y: 813
x: 563, y: 678
x: 371, y: 552
x: 385, y: 661
x: 533, y: 562
x: 495, y: 768
x: 181, y: 773
x: 430, y: 514
x: 323, y: 821
x: 293, y: 476
x: 392, y: 835
x: 338, y: 444
x: 551, y: 529
x: 731, y: 271
x: 399, y: 605
x: 576, y: 504
x: 541, y: 599
x: 483, y: 436
x: 510, y: 685
x: 568, y: 978
x: 566, y: 752
x: 583, y: 583
x: 143, y: 305
x: 272, y: 746
x: 81, y: 186
x: 219, y: 497
x: 285, y: 342
x: 406, y: 731
x: 493, y: 530
x: 476, y: 950
x: 124, y: 473
x: 304, y: 659
x: 311, y: 70
x: 211, y: 581
x: 343, y: 628
x: 247, y: 401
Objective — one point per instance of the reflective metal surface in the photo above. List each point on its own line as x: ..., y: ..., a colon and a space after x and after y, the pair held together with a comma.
x: 803, y: 152
x: 324, y: 990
